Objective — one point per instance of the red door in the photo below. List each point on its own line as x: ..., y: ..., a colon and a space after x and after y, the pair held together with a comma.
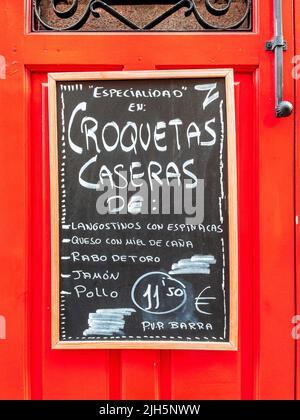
x: 296, y: 77
x: 264, y: 366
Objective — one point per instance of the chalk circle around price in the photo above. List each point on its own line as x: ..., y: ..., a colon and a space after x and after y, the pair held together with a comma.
x: 158, y: 293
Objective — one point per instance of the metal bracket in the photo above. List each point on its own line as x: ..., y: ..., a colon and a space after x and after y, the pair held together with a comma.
x: 278, y: 45
x: 276, y: 42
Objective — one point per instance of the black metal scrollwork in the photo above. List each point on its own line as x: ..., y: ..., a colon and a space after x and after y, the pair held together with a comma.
x: 214, y: 8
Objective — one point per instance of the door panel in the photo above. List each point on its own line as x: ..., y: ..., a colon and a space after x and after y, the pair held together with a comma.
x: 265, y: 148
x: 194, y: 374
x: 296, y: 76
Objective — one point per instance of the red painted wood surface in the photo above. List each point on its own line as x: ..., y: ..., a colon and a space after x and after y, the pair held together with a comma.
x: 264, y: 366
x: 296, y: 76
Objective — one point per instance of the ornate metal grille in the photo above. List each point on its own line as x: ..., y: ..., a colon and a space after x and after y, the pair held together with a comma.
x: 134, y: 15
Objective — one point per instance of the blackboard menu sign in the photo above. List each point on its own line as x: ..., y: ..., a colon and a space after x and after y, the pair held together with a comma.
x: 143, y: 210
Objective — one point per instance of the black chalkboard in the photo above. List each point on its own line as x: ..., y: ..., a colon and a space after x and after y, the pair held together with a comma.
x: 143, y: 193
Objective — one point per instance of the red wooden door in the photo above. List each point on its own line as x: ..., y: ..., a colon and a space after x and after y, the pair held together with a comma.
x: 264, y: 366
x: 296, y: 77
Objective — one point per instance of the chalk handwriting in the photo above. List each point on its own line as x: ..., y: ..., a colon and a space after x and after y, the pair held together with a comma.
x: 158, y: 293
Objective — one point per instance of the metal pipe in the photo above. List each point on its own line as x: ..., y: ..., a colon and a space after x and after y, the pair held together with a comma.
x: 278, y: 45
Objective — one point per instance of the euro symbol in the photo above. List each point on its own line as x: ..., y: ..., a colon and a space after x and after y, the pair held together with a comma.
x: 201, y: 300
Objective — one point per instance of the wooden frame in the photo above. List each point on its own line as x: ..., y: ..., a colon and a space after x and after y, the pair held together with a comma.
x: 227, y: 74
